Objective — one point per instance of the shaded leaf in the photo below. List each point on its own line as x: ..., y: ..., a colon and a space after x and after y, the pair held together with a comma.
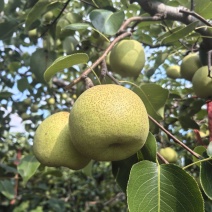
x: 106, y: 21
x: 121, y: 170
x: 39, y: 61
x: 27, y: 167
x: 38, y: 9
x: 65, y: 62
x: 7, y: 28
x: 7, y: 188
x: 149, y: 150
x: 186, y: 122
x: 206, y: 177
x: 5, y: 95
x: 166, y: 187
x: 209, y: 149
x: 23, y: 84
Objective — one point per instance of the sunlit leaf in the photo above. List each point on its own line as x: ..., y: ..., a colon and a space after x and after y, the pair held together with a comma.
x: 65, y: 62
x: 180, y: 33
x: 106, y: 21
x: 27, y: 167
x: 166, y: 187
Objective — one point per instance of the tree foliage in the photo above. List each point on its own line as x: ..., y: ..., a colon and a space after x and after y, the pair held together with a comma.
x: 51, y: 51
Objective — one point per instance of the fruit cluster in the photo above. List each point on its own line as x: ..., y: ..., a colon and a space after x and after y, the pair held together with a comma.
x: 106, y: 123
x: 192, y: 69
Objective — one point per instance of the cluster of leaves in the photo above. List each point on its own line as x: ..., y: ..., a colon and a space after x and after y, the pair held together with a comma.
x: 30, y: 43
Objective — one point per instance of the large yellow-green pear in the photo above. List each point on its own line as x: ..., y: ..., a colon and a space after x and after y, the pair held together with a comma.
x: 169, y: 154
x: 190, y: 64
x: 108, y: 123
x: 173, y: 72
x: 127, y: 58
x: 53, y: 146
x: 202, y: 84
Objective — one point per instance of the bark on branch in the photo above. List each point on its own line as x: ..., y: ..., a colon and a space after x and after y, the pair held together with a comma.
x: 155, y: 8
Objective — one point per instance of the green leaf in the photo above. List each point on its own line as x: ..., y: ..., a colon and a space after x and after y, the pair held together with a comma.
x: 7, y: 28
x: 36, y: 12
x: 149, y: 150
x: 27, y: 167
x: 7, y: 188
x: 5, y: 95
x: 39, y: 62
x: 182, y: 33
x: 203, y: 8
x: 1, y: 5
x: 209, y: 149
x: 106, y: 21
x: 200, y: 150
x: 81, y: 26
x: 166, y: 188
x: 121, y: 170
x: 187, y: 122
x: 154, y: 98
x: 76, y: 26
x: 65, y: 62
x: 206, y: 177
x: 23, y: 84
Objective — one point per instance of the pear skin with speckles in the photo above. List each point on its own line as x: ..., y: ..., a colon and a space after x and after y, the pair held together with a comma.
x: 108, y: 123
x: 52, y: 144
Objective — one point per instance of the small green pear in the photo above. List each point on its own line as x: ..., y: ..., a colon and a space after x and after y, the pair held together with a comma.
x: 34, y: 108
x: 33, y: 33
x: 108, y: 123
x: 190, y: 64
x: 52, y: 144
x: 127, y: 58
x: 202, y: 84
x: 173, y: 72
x: 48, y: 16
x: 169, y: 154
x: 51, y: 101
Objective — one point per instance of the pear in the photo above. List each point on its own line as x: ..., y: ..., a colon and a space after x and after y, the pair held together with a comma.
x: 169, y: 154
x: 190, y: 64
x: 52, y: 144
x: 127, y: 58
x: 108, y: 123
x: 202, y: 83
x: 173, y: 72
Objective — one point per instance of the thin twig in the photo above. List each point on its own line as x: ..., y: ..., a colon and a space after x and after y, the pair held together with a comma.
x: 138, y: 19
x: 55, y: 20
x: 162, y: 158
x: 113, y: 79
x: 175, y: 139
x: 192, y: 13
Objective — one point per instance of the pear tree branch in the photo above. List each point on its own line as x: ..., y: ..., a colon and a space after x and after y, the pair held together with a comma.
x: 120, y: 35
x: 174, y: 138
x: 181, y: 14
